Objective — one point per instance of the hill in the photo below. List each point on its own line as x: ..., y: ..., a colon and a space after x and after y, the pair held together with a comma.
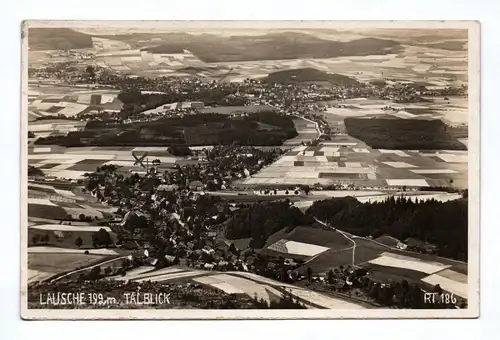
x: 287, y: 45
x: 57, y: 39
x: 308, y: 75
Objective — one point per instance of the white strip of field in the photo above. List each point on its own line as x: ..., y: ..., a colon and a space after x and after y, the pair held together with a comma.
x: 41, y: 201
x: 329, y: 150
x: 261, y: 279
x: 434, y: 171
x: 133, y: 273
x: 358, y: 150
x: 221, y: 283
x: 297, y: 248
x: 453, y: 275
x: 64, y: 192
x: 37, y: 275
x: 71, y: 174
x: 171, y: 276
x: 150, y: 274
x: 322, y: 300
x: 399, y: 165
x: 452, y: 286
x: 249, y: 287
x: 56, y: 250
x: 396, y: 152
x: 307, y: 249
x: 406, y: 262
x: 40, y: 150
x: 344, y: 193
x: 62, y: 227
x: 451, y: 158
x: 407, y: 182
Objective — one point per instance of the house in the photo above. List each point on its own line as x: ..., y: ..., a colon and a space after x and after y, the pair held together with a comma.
x: 167, y: 187
x: 195, y: 185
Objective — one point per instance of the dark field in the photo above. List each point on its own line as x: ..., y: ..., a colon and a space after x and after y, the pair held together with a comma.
x: 406, y: 134
x: 47, y: 211
x: 320, y: 237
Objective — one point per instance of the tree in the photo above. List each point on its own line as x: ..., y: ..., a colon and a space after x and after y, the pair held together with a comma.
x: 102, y: 238
x: 309, y: 273
x: 232, y: 249
x: 125, y: 264
x: 179, y: 150
x: 82, y: 217
x: 330, y: 276
x: 35, y: 239
x: 78, y: 242
x: 90, y: 72
x: 95, y: 272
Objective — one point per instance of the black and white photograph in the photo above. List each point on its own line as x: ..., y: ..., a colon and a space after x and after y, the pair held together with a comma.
x: 250, y: 170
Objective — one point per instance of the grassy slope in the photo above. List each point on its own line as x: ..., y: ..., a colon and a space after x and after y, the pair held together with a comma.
x: 308, y: 75
x: 57, y: 39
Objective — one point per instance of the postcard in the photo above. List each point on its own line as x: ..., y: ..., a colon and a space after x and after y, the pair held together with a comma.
x: 250, y: 169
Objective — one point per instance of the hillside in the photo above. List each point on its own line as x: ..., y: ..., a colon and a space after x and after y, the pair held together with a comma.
x: 213, y: 48
x: 57, y: 39
x: 307, y: 75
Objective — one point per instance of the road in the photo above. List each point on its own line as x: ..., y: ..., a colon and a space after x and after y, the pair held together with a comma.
x: 351, y: 237
x: 348, y: 236
x: 86, y: 268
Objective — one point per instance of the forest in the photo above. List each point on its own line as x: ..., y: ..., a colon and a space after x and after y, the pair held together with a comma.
x: 444, y: 224
x: 403, y: 134
x: 198, y: 129
x: 261, y: 220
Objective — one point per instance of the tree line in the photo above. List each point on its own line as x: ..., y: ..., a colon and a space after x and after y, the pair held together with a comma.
x: 444, y: 224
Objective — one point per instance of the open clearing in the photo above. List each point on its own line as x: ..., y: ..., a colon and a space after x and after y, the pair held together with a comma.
x: 57, y: 250
x: 298, y: 248
x: 453, y: 286
x: 390, y: 260
x: 43, y: 265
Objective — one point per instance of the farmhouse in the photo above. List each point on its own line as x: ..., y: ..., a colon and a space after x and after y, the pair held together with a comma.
x: 196, y: 185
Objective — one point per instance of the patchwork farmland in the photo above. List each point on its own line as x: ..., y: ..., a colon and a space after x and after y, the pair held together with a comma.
x: 364, y: 118
x: 354, y: 163
x: 73, y: 163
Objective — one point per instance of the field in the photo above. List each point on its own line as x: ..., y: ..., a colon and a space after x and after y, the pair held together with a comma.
x: 388, y: 263
x: 404, y: 61
x: 56, y: 206
x: 237, y: 109
x: 73, y: 163
x: 42, y: 266
x: 304, y: 242
x: 243, y: 283
x: 306, y: 132
x: 47, y: 98
x: 64, y: 236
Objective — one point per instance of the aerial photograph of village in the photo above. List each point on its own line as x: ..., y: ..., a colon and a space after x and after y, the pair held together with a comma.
x: 247, y: 168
